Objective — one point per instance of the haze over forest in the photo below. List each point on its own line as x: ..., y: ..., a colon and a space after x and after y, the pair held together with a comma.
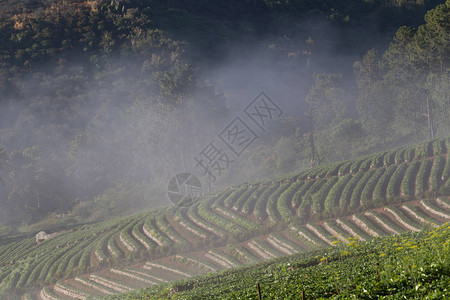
x: 102, y: 102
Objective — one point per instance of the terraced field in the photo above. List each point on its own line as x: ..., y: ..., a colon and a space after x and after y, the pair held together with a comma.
x: 413, y: 265
x: 383, y: 194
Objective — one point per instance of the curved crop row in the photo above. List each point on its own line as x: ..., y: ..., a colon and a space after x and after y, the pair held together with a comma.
x: 379, y: 193
x: 297, y: 197
x: 344, y: 201
x: 402, y: 219
x: 223, y: 195
x: 206, y: 212
x: 307, y: 199
x: 127, y: 239
x: 336, y: 231
x: 47, y: 294
x: 84, y: 263
x: 387, y: 224
x: 239, y: 203
x: 271, y: 207
x: 162, y: 224
x: 70, y: 291
x: 389, y: 158
x: 434, y: 209
x: 199, y: 263
x: 43, y: 275
x: 417, y: 214
x: 356, y: 193
x: 424, y: 150
x: 410, y: 153
x: 367, y: 192
x: 409, y: 180
x: 231, y: 199
x: 345, y: 168
x: 436, y: 173
x: 316, y: 186
x: 400, y: 156
x: 135, y: 276
x: 74, y: 261
x: 35, y: 273
x: 442, y: 202
x: 422, y: 177
x: 101, y: 249
x: 318, y: 199
x: 446, y: 172
x: 142, y: 238
x: 334, y: 169
x: 366, y: 164
x: 240, y: 253
x: 284, y: 203
x: 192, y: 214
x: 356, y: 165
x: 113, y: 248
x: 151, y: 231
x: 143, y: 272
x: 308, y: 237
x: 25, y: 273
x: 16, y: 250
x: 439, y: 147
x: 317, y: 173
x: 332, y: 199
x: 378, y: 160
x: 353, y: 229
x: 151, y: 266
x: 62, y: 266
x: 95, y: 285
x: 260, y: 205
x: 263, y: 250
x: 279, y: 242
x: 393, y: 187
x: 321, y: 233
x: 304, y: 210
x: 181, y: 218
x: 222, y: 259
x: 237, y: 218
x: 447, y: 144
x: 367, y: 225
x: 249, y: 204
x: 11, y: 280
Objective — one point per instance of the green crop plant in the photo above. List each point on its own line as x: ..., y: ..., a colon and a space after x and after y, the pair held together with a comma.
x: 393, y: 187
x: 409, y: 180
x: 423, y: 177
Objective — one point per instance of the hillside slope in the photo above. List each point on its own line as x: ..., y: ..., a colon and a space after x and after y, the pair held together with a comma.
x: 387, y: 193
x: 410, y: 266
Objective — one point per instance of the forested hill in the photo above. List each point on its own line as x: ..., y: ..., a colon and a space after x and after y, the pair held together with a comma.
x: 102, y: 102
x: 33, y: 30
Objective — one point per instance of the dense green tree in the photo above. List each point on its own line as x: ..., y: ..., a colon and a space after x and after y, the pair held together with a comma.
x: 374, y: 101
x: 286, y: 150
x: 326, y: 100
x: 415, y: 62
x: 327, y: 106
x: 102, y: 101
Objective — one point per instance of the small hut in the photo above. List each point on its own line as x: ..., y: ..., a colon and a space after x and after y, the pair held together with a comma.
x: 41, y: 236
